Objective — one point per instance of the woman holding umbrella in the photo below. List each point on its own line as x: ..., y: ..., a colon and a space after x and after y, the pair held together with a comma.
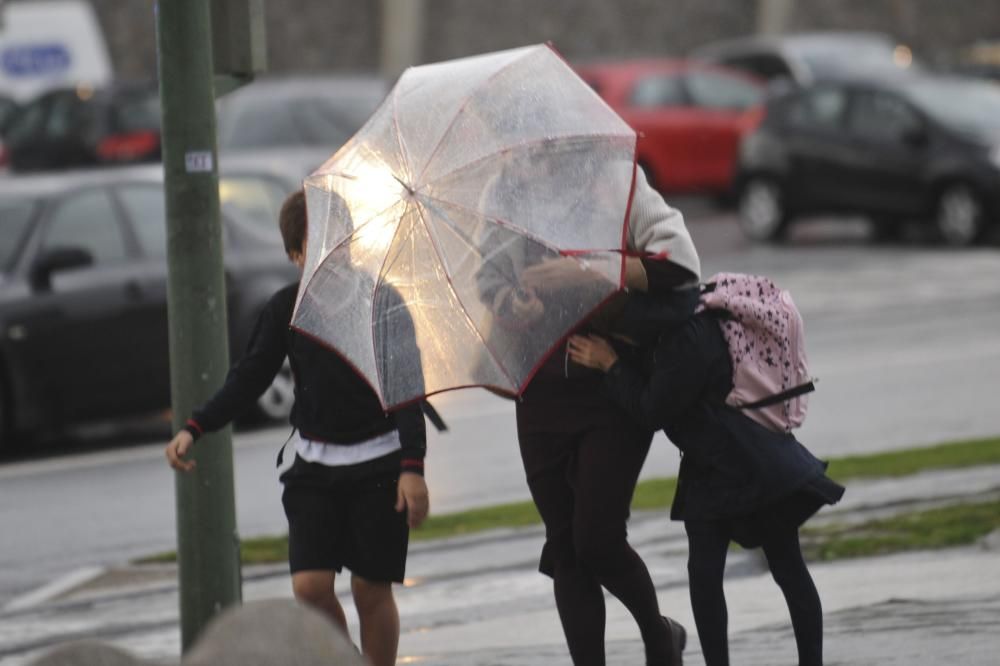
x: 582, y: 453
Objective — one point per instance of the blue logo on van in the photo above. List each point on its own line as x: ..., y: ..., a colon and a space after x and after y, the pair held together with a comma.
x: 35, y: 60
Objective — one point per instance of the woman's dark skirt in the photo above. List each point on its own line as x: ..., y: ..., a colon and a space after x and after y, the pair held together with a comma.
x: 789, y: 512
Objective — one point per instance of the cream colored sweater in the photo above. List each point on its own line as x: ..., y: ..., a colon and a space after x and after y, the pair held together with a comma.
x: 656, y: 227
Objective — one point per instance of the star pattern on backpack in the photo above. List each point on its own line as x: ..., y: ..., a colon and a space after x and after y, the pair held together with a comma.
x: 763, y: 330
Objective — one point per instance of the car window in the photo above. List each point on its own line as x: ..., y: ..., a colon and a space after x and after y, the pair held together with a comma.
x: 28, y: 122
x: 265, y: 125
x: 66, y: 116
x: 875, y: 56
x: 8, y: 108
x: 316, y: 121
x: 15, y: 218
x: 821, y: 108
x: 882, y: 117
x: 763, y: 65
x: 658, y: 90
x: 146, y: 210
x: 327, y: 122
x: 253, y: 200
x: 87, y: 220
x: 969, y: 106
x: 134, y: 112
x: 715, y: 90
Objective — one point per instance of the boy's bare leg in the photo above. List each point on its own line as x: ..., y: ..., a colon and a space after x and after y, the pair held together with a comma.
x: 315, y: 588
x: 379, y: 620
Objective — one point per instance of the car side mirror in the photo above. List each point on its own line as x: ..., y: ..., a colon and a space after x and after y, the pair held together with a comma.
x: 55, y: 260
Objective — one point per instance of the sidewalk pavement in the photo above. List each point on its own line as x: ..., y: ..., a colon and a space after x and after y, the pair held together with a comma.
x: 478, y: 601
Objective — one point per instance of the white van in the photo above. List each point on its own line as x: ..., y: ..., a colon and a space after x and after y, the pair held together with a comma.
x: 50, y: 43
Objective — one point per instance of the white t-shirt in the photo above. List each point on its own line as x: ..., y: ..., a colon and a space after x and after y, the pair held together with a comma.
x: 336, y: 455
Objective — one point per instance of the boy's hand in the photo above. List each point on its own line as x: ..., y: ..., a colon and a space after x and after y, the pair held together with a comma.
x: 177, y: 449
x: 592, y: 351
x: 411, y: 496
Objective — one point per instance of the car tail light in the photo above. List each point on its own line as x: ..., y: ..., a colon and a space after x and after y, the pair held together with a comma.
x: 129, y: 147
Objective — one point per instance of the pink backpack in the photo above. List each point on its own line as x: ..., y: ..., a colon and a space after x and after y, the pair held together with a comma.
x: 764, y: 331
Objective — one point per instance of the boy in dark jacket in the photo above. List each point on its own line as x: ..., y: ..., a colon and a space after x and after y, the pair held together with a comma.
x: 356, y: 485
x: 738, y: 481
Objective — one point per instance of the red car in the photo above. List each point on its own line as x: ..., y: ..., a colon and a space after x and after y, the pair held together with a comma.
x: 690, y: 117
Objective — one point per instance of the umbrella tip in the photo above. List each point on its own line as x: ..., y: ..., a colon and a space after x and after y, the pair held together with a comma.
x: 406, y: 186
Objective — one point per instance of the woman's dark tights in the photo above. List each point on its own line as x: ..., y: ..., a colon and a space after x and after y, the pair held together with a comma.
x: 708, y: 543
x: 582, y: 485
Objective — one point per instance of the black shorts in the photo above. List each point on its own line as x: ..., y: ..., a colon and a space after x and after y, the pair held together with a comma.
x: 346, y: 517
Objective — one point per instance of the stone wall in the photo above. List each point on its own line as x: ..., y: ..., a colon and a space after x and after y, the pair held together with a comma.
x: 341, y: 35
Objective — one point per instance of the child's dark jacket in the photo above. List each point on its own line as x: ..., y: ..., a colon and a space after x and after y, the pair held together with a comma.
x: 332, y: 402
x: 731, y: 465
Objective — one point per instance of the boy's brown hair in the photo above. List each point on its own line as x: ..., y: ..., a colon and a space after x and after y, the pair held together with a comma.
x: 292, y: 221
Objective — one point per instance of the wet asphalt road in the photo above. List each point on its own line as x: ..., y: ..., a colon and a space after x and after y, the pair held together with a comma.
x: 905, y: 340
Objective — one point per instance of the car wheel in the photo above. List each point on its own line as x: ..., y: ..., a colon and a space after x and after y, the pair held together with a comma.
x: 959, y: 215
x: 275, y: 404
x: 762, y: 213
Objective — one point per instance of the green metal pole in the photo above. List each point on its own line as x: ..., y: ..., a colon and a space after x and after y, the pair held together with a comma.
x: 207, y: 541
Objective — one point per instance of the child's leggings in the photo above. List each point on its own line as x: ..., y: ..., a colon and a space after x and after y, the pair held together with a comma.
x: 708, y: 543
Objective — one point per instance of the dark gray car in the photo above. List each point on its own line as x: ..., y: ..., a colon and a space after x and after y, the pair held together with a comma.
x: 924, y: 149
x: 83, y: 317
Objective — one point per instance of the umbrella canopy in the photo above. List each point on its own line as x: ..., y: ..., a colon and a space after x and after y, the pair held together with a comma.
x: 469, y: 226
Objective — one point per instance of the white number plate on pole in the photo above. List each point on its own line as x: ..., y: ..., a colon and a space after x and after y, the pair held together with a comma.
x: 198, y: 161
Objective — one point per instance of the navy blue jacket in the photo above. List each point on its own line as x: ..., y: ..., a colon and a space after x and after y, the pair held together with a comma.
x: 731, y: 466
x: 332, y: 401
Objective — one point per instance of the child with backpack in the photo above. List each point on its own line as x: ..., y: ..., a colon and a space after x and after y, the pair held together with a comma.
x: 356, y: 486
x: 739, y: 480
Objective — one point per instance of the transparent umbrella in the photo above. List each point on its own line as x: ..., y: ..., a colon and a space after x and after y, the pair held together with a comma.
x: 469, y: 226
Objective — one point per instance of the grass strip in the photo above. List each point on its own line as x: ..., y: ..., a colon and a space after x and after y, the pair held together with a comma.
x: 944, y: 527
x: 658, y: 493
x: 951, y: 455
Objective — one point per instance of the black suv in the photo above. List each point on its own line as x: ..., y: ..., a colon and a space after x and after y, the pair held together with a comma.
x: 915, y: 148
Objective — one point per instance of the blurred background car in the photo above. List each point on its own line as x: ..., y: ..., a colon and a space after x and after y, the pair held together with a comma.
x: 982, y: 59
x: 83, y: 293
x: 306, y: 117
x: 67, y: 128
x: 690, y: 118
x: 921, y: 148
x: 801, y: 59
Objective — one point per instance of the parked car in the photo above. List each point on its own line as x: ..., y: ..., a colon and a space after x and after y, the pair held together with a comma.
x: 982, y: 59
x: 83, y: 280
x: 67, y: 128
x: 801, y: 59
x: 318, y: 112
x: 921, y: 148
x: 690, y: 118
